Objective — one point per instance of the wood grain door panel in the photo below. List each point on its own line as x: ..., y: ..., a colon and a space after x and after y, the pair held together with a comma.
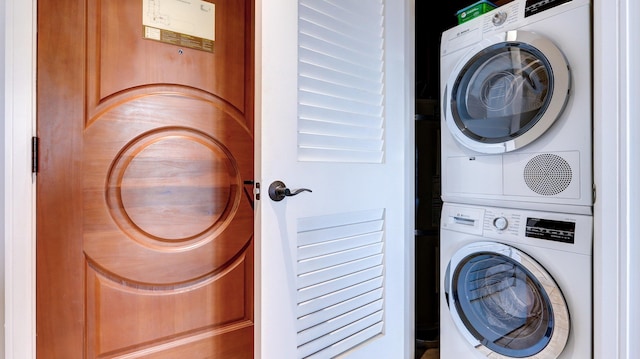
x: 144, y: 195
x: 120, y: 59
x: 160, y: 321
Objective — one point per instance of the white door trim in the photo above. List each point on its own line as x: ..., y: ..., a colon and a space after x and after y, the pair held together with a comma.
x: 19, y: 189
x: 616, y: 174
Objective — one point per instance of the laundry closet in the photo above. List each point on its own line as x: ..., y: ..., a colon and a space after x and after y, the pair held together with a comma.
x: 504, y: 186
x: 429, y: 25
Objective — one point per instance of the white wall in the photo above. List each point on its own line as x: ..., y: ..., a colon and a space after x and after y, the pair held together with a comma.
x: 2, y: 172
x: 617, y: 177
x: 633, y: 121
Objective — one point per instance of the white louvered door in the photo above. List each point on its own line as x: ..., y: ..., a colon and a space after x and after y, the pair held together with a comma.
x: 336, y: 118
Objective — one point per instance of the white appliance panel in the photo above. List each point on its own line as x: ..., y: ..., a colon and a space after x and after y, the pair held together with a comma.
x: 565, y: 148
x: 567, y: 260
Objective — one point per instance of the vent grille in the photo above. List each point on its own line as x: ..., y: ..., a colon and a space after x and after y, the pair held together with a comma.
x: 548, y: 174
x: 340, y: 81
x: 340, y: 278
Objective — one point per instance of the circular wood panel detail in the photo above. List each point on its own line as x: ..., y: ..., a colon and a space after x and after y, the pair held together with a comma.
x: 172, y: 186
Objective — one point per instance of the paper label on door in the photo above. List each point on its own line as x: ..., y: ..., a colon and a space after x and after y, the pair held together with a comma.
x: 188, y: 23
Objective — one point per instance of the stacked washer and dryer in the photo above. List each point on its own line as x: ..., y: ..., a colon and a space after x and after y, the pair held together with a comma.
x: 516, y: 232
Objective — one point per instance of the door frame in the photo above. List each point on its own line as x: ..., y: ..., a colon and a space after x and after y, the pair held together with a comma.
x: 614, y: 272
x: 19, y: 186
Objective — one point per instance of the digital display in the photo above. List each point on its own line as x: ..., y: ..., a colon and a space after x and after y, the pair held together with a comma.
x: 533, y: 7
x: 559, y: 231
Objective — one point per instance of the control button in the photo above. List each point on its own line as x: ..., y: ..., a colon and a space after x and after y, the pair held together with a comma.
x: 499, y: 18
x: 500, y: 223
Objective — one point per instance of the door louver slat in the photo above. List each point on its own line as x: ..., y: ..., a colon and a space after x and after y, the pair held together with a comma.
x: 334, y: 324
x: 335, y: 271
x: 331, y: 259
x: 340, y: 127
x: 319, y: 247
x: 334, y: 284
x: 333, y: 298
x: 342, y: 345
x: 340, y: 278
x: 340, y: 82
x: 333, y: 311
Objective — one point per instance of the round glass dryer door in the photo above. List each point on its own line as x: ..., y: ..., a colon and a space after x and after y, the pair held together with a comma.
x: 505, y: 304
x: 506, y: 92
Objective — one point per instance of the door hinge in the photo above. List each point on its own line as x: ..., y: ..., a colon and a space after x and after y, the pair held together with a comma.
x: 35, y: 145
x: 256, y: 188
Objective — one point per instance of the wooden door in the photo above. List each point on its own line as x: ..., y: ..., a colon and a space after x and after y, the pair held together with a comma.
x: 144, y: 190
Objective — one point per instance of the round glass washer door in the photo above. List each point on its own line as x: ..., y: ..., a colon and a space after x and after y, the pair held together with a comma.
x: 506, y: 92
x: 505, y: 303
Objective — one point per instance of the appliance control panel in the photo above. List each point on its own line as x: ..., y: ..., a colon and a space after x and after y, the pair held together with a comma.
x: 537, y: 6
x: 463, y: 219
x: 503, y: 222
x: 561, y: 231
x: 514, y: 224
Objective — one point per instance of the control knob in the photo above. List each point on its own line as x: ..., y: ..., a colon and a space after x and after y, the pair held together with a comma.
x: 500, y: 223
x: 499, y: 18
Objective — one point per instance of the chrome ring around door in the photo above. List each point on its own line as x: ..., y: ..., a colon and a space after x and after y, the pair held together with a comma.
x: 505, y: 304
x: 506, y: 92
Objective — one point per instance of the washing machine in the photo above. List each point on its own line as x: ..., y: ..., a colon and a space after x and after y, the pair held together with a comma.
x: 515, y: 283
x: 516, y: 112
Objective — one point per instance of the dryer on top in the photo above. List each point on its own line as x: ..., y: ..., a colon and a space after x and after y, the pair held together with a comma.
x: 516, y: 111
